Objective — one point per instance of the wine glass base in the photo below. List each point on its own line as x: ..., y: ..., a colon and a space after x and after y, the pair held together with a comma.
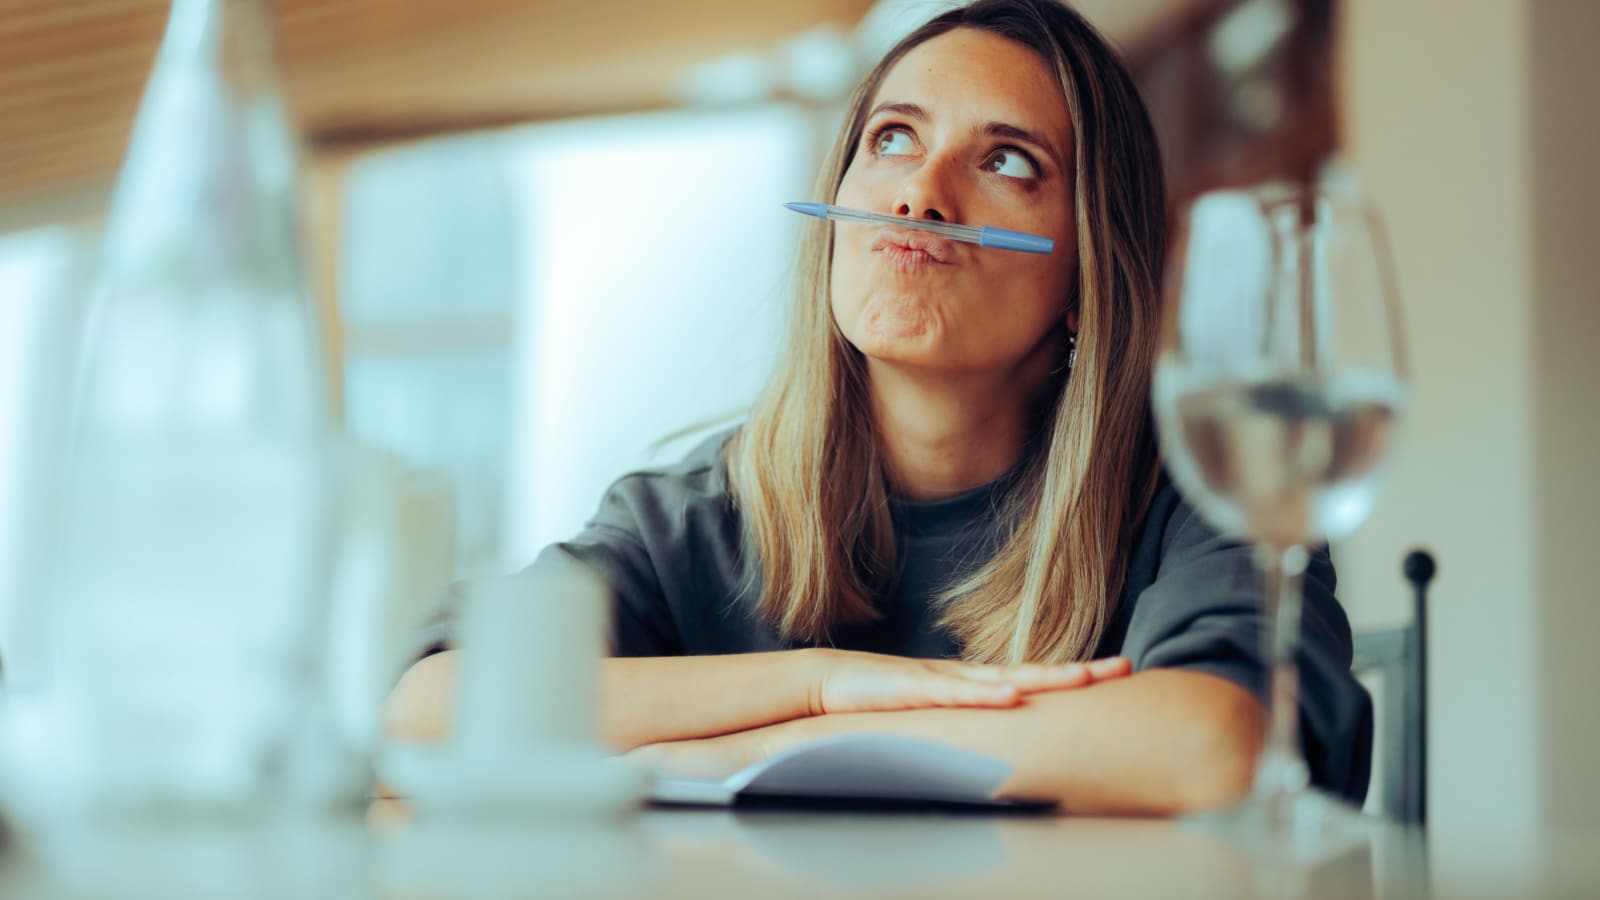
x: 1304, y: 827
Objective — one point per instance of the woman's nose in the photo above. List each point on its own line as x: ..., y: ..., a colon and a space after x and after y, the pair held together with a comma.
x: 926, y: 194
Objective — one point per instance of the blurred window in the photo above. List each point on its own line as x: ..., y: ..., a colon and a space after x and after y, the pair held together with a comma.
x: 35, y: 272
x: 530, y: 311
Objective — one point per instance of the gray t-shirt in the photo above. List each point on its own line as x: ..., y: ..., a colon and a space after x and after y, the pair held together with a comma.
x: 670, y: 542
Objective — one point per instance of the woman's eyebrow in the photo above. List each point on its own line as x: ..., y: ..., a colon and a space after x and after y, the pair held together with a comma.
x: 1004, y: 130
x: 992, y: 129
x: 909, y: 110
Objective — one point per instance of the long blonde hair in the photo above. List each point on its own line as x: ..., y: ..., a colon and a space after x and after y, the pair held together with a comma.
x: 805, y: 470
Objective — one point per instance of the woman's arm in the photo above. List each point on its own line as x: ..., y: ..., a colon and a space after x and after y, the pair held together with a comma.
x: 1156, y: 743
x: 643, y: 699
x: 646, y: 700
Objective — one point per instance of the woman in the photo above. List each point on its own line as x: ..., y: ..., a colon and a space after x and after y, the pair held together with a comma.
x: 948, y: 496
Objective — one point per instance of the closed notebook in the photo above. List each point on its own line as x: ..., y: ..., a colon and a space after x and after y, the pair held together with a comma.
x: 855, y: 769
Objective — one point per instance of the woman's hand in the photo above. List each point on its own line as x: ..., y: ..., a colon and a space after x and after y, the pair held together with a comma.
x: 852, y: 682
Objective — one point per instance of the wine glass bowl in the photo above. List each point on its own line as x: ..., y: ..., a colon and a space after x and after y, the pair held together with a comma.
x: 1286, y: 459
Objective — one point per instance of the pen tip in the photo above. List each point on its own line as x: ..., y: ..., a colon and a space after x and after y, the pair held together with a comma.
x: 820, y: 210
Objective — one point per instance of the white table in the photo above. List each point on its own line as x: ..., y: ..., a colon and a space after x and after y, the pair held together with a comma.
x: 769, y: 855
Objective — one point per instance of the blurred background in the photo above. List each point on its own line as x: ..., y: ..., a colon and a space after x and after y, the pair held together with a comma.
x: 546, y: 235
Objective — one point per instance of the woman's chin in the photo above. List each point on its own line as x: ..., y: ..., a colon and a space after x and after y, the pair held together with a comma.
x: 901, y: 343
x: 897, y: 322
x: 907, y: 350
x: 898, y: 327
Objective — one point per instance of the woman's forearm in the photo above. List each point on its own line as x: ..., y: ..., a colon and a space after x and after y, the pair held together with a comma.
x: 641, y: 700
x: 647, y: 700
x: 1156, y: 743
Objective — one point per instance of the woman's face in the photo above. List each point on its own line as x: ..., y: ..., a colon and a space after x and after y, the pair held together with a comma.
x: 970, y: 128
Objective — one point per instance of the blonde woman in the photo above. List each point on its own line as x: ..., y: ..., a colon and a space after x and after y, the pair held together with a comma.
x: 945, y: 516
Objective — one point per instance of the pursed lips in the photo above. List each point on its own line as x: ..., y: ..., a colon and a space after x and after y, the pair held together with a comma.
x: 912, y: 249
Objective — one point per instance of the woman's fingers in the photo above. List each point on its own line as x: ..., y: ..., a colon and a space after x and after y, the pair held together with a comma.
x: 970, y: 684
x: 951, y: 690
x: 865, y: 683
x: 1111, y: 667
x: 1031, y: 677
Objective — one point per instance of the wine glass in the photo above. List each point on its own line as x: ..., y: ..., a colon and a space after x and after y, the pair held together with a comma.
x: 1278, y: 388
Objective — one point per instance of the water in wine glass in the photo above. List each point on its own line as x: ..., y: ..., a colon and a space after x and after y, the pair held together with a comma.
x: 1284, y: 459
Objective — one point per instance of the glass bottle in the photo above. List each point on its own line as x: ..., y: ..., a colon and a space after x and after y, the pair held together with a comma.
x: 189, y: 575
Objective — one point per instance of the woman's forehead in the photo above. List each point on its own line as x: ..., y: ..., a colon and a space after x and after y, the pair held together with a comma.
x: 970, y: 74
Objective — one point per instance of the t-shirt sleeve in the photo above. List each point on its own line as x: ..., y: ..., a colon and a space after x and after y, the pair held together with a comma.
x: 1204, y: 613
x: 614, y: 545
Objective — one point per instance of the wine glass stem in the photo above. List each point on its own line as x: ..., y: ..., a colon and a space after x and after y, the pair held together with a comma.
x: 1282, y: 767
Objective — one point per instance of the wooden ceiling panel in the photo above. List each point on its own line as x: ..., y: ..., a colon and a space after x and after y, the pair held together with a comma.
x: 71, y: 71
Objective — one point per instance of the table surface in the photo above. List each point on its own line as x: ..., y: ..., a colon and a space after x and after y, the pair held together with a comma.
x: 775, y: 854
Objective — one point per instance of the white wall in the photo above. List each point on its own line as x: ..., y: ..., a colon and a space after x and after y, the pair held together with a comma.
x: 1443, y: 130
x: 657, y: 257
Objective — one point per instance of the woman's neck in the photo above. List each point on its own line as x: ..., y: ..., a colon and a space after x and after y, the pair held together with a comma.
x: 942, y: 435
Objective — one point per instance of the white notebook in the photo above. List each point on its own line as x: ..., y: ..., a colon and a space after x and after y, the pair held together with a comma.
x: 855, y: 769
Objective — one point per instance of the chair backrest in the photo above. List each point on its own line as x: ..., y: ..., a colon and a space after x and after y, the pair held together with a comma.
x: 1400, y: 655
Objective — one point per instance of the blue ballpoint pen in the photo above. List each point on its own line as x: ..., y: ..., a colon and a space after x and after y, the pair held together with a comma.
x: 983, y: 236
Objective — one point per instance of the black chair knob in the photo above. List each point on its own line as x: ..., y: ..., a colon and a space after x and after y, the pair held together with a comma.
x: 1419, y: 568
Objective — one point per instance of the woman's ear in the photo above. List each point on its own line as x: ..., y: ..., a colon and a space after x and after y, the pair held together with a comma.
x: 1072, y: 320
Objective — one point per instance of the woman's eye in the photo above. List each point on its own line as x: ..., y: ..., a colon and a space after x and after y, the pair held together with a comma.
x: 893, y: 142
x: 1013, y: 164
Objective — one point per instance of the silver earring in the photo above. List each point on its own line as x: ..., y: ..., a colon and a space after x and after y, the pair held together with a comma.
x: 1072, y: 351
